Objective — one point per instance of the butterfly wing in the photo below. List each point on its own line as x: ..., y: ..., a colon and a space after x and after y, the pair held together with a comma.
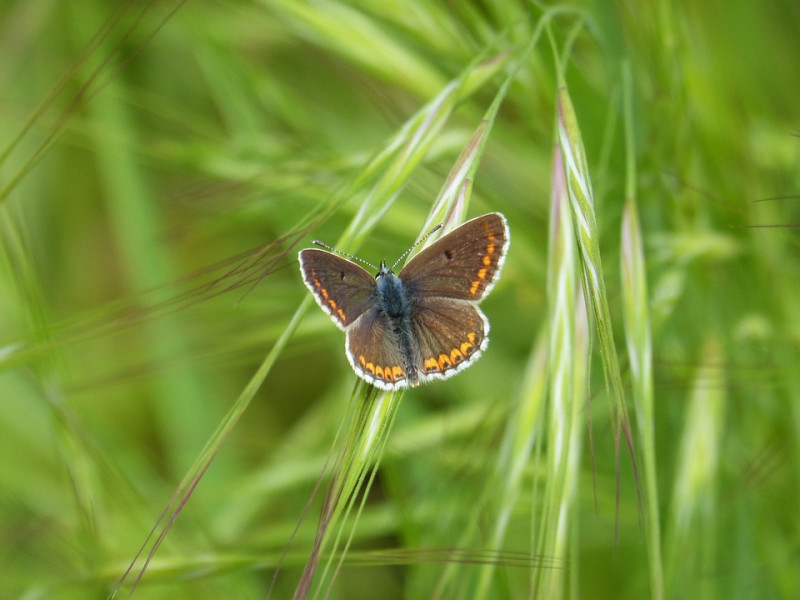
x: 451, y: 335
x: 446, y: 337
x: 342, y: 288
x: 463, y: 264
x: 376, y: 354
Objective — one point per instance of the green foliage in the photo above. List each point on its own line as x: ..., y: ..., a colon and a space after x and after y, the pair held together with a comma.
x: 162, y: 163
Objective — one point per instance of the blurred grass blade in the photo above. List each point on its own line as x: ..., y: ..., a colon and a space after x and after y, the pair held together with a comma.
x: 636, y: 317
x: 347, y: 30
x: 101, y: 76
x: 691, y: 534
x: 524, y: 427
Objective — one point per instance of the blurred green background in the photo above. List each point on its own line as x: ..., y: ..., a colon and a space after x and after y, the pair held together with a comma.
x: 163, y: 162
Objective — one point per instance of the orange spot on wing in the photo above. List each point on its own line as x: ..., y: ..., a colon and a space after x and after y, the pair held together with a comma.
x: 490, y: 248
x: 444, y: 362
x: 397, y: 373
x: 473, y: 289
x: 430, y: 364
x: 487, y: 260
x: 482, y: 273
x: 466, y: 348
x: 456, y: 356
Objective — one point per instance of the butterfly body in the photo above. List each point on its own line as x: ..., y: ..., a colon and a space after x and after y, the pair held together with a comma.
x: 422, y: 323
x: 394, y: 307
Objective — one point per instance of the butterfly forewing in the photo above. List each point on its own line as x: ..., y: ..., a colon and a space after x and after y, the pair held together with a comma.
x: 463, y: 264
x: 343, y: 289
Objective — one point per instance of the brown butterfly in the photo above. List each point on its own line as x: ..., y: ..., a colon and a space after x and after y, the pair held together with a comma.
x: 423, y: 323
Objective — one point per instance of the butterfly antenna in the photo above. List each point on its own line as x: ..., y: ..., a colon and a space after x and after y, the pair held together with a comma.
x: 425, y: 237
x: 345, y: 254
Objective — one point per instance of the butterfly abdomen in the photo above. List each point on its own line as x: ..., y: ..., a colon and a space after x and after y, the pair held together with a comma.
x: 395, y: 304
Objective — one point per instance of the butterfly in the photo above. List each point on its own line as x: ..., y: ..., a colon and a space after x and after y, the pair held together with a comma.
x: 422, y: 323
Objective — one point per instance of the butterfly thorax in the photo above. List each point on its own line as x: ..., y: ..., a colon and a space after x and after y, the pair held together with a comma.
x: 392, y: 295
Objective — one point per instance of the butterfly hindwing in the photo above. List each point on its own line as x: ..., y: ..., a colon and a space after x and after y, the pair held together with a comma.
x: 375, y: 353
x: 463, y: 264
x: 451, y: 334
x: 342, y: 288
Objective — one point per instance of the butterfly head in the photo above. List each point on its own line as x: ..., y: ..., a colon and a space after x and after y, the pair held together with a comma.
x: 383, y: 271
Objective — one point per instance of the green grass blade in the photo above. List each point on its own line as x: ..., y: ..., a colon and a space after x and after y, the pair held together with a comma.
x: 587, y: 237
